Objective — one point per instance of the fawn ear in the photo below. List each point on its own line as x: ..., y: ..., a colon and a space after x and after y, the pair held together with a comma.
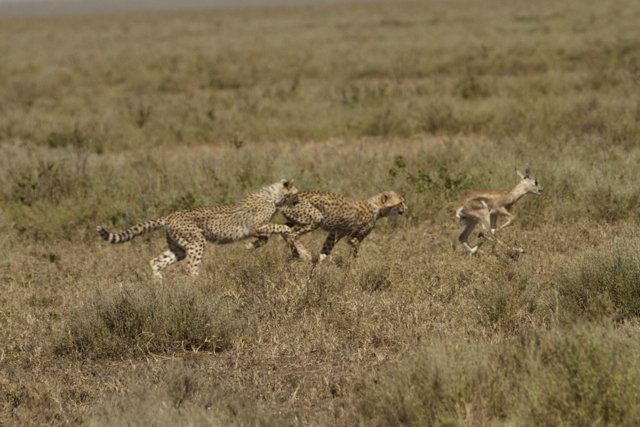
x: 519, y: 174
x: 526, y: 171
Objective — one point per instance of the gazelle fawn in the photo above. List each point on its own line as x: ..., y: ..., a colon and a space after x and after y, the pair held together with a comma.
x: 486, y: 206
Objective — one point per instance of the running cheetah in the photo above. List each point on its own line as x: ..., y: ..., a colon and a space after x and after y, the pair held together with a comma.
x: 339, y: 215
x: 187, y: 230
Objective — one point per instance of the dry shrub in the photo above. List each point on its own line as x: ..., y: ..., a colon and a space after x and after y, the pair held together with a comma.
x: 569, y: 377
x: 180, y: 396
x: 602, y: 283
x: 613, y: 204
x: 142, y: 320
x: 505, y: 304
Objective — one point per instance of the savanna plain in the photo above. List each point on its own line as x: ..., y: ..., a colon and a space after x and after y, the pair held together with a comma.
x: 112, y: 120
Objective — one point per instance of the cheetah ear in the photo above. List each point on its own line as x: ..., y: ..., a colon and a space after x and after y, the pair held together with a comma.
x: 384, y: 197
x: 287, y: 183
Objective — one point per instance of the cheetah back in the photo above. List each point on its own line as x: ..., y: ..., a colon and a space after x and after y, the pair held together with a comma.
x: 330, y: 211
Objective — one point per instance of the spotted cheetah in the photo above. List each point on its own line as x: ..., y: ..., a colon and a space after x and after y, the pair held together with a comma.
x: 339, y: 215
x: 187, y: 230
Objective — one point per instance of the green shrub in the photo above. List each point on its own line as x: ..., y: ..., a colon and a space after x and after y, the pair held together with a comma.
x: 442, y: 183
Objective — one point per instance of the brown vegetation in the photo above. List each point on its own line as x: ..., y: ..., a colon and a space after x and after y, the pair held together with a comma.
x: 114, y: 120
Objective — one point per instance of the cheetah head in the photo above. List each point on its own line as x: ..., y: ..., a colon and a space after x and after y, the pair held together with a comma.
x: 389, y: 203
x: 288, y: 194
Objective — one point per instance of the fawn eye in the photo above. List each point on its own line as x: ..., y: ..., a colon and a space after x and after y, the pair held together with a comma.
x: 535, y: 182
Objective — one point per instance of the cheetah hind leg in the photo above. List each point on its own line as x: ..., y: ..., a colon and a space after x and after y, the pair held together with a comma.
x: 299, y: 251
x: 294, y: 251
x: 258, y: 243
x: 195, y: 251
x: 168, y: 257
x: 331, y: 240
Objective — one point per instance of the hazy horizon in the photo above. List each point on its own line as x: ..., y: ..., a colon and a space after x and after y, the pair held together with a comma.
x: 45, y: 8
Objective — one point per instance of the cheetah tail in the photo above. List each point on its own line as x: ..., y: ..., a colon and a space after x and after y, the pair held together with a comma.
x: 136, y: 230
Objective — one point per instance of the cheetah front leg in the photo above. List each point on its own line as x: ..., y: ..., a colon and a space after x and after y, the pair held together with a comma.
x: 267, y: 230
x: 264, y: 231
x: 356, y: 240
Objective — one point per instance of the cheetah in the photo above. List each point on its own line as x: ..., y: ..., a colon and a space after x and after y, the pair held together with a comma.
x: 341, y: 216
x: 187, y: 230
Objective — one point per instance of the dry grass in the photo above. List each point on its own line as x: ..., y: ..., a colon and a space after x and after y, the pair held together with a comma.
x: 113, y: 120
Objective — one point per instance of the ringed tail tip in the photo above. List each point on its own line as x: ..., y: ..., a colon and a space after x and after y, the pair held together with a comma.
x: 103, y: 233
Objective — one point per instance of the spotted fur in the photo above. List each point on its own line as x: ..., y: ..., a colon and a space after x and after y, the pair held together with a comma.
x: 339, y: 215
x: 187, y: 230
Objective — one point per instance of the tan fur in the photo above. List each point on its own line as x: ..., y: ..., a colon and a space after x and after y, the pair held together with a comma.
x: 485, y: 207
x: 339, y: 215
x: 188, y: 230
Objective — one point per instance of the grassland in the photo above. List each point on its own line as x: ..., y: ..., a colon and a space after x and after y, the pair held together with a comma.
x: 115, y: 119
